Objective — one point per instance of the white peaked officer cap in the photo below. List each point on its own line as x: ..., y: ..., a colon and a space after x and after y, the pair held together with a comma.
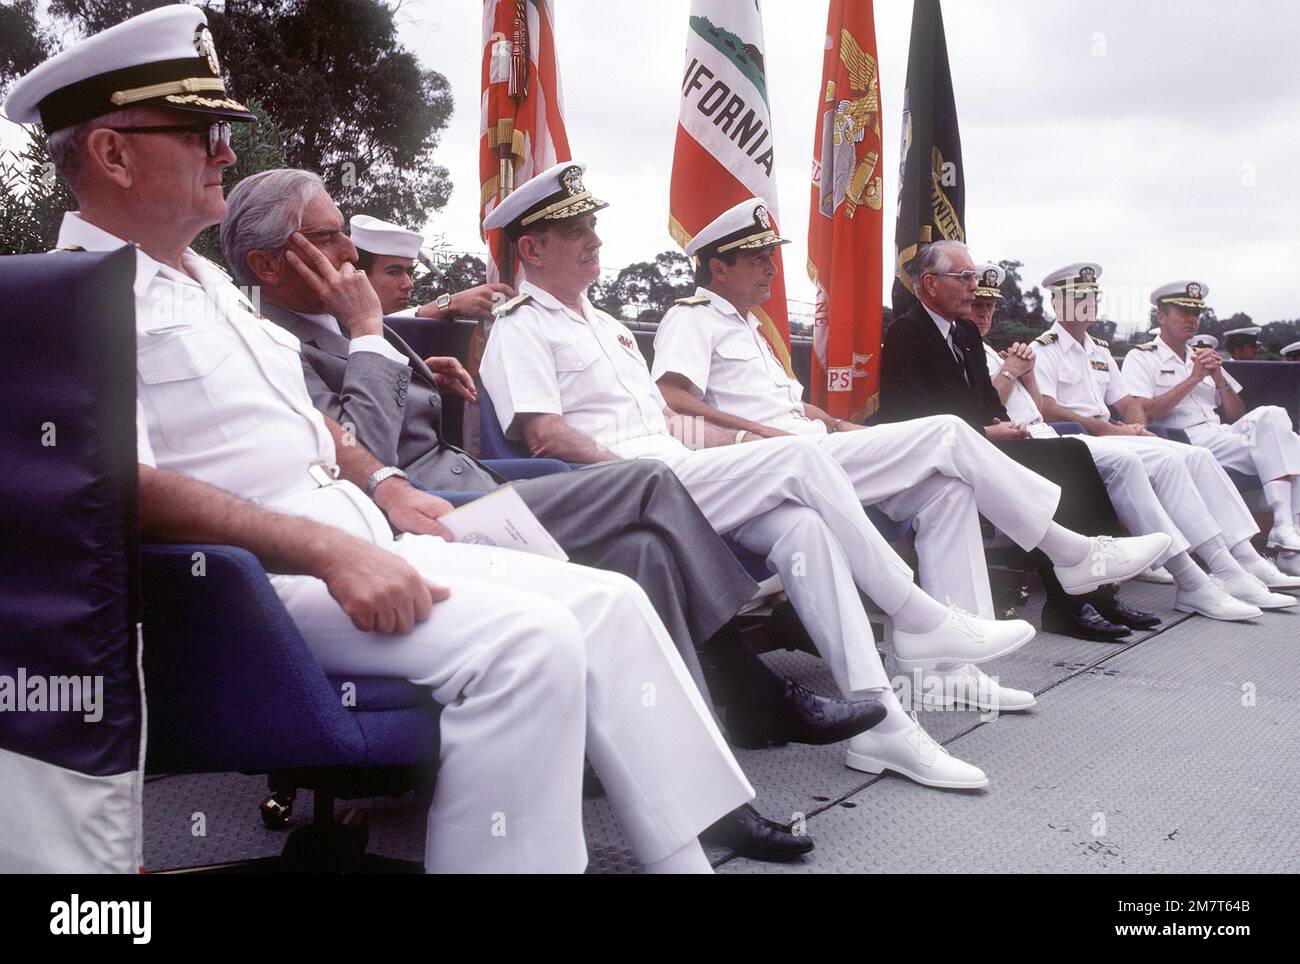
x: 743, y: 227
x: 991, y: 277
x: 1248, y: 334
x: 557, y: 194
x: 163, y: 58
x: 1203, y: 341
x: 1185, y: 294
x: 1291, y: 349
x: 384, y: 237
x: 1080, y: 276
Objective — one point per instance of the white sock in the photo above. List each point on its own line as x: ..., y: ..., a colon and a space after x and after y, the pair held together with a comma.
x: 1278, y: 496
x: 920, y: 613
x: 1217, y: 556
x: 896, y: 718
x: 1187, y: 574
x: 689, y: 860
x: 1248, y: 558
x: 1063, y: 547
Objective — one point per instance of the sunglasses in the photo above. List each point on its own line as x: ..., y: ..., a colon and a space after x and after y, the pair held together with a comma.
x: 218, y: 132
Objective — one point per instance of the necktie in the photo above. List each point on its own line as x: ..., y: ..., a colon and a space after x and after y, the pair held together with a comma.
x: 952, y: 347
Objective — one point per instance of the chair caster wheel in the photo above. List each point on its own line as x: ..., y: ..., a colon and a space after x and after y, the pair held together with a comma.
x: 277, y: 809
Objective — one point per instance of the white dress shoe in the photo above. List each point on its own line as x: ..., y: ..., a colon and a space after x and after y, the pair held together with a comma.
x: 1272, y: 576
x: 1213, y: 602
x: 914, y: 754
x: 961, y: 638
x: 971, y: 687
x: 1156, y: 574
x: 1246, y: 588
x: 1284, y: 536
x: 1112, y: 560
x: 1288, y: 564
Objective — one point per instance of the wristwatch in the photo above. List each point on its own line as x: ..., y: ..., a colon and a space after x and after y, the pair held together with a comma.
x: 1006, y: 374
x: 387, y: 472
x: 443, y: 302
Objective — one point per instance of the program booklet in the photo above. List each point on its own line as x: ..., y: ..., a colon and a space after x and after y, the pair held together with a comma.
x: 502, y: 519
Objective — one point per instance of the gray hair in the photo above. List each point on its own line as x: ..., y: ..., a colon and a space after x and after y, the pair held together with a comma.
x: 936, y: 258
x: 67, y: 146
x: 261, y: 212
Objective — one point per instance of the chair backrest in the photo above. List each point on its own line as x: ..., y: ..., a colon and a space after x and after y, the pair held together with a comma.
x: 492, y: 436
x: 70, y: 600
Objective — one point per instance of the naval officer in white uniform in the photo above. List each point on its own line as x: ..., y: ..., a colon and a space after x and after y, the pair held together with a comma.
x: 1159, y: 496
x: 534, y: 660
x: 1078, y: 380
x: 1181, y: 385
x: 712, y: 361
x: 570, y: 381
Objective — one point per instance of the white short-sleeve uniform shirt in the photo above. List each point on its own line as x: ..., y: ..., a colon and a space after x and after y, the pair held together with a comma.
x: 1151, y: 372
x: 729, y: 364
x: 1081, y: 376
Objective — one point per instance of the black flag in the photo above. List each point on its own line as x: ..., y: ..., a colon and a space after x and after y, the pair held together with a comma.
x: 932, y: 184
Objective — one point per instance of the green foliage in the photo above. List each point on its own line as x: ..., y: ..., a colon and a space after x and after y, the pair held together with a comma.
x: 643, y: 291
x: 24, y: 42
x: 32, y: 199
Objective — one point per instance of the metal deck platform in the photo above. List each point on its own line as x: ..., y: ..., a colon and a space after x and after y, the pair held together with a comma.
x: 1177, y: 751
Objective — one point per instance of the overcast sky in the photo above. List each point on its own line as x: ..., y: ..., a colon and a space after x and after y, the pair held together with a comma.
x: 1156, y: 138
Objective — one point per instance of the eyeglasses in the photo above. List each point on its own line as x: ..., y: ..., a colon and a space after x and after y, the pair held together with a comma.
x: 965, y: 277
x: 218, y: 132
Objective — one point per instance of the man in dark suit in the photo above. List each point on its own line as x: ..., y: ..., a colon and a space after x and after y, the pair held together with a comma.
x: 633, y: 516
x: 932, y: 362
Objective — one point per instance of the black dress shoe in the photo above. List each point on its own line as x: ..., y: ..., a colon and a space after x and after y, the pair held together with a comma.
x: 801, y: 716
x: 1087, y: 623
x: 1117, y: 612
x: 750, y: 834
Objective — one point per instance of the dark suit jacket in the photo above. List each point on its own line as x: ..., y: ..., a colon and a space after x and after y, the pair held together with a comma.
x: 919, y: 375
x: 395, y: 410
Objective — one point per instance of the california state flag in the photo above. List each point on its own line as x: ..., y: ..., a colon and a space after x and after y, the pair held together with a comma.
x: 844, y: 220
x: 724, y: 153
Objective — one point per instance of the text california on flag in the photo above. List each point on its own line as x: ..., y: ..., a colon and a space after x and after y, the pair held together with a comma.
x: 844, y: 222
x: 724, y: 153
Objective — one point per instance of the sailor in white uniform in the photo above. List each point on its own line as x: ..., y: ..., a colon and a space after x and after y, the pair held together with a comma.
x: 1078, y: 381
x: 534, y: 660
x: 387, y: 252
x: 1157, y: 495
x: 570, y: 381
x: 1182, y: 385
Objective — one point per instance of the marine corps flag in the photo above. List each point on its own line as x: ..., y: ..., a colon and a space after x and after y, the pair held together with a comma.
x: 845, y: 257
x: 522, y: 129
x: 932, y: 183
x: 724, y: 150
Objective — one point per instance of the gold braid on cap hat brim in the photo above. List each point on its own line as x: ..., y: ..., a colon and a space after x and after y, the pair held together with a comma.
x: 560, y: 210
x: 763, y: 239
x: 188, y: 85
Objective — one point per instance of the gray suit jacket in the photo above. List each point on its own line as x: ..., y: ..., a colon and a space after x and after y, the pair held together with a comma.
x: 395, y: 410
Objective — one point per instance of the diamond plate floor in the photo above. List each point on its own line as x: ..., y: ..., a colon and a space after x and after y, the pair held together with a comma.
x: 1175, y: 751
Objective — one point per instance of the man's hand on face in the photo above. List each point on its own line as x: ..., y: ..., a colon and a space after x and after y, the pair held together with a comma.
x: 1001, y: 430
x: 379, y: 590
x: 450, y: 376
x: 345, y: 292
x: 413, y: 510
x: 478, y: 302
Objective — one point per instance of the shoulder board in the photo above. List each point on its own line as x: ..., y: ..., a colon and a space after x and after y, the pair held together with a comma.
x: 67, y: 247
x: 508, y: 306
x: 1101, y: 342
x: 1046, y: 338
x: 1148, y: 346
x: 692, y: 300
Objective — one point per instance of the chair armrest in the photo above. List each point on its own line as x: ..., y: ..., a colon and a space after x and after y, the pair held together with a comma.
x: 1068, y: 428
x: 516, y: 469
x: 231, y: 684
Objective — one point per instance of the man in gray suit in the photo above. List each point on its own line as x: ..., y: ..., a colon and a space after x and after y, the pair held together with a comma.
x: 283, y: 233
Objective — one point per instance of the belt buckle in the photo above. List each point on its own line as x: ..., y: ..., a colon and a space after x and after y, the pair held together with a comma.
x: 323, y: 474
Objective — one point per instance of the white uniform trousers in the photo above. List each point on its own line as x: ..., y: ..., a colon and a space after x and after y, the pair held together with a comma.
x: 1221, y: 500
x: 939, y: 473
x: 1157, y: 495
x: 1261, y: 442
x: 532, y: 659
x: 788, y: 501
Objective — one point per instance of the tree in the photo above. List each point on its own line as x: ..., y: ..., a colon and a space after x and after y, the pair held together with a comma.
x: 32, y: 200
x: 646, y: 288
x: 352, y: 104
